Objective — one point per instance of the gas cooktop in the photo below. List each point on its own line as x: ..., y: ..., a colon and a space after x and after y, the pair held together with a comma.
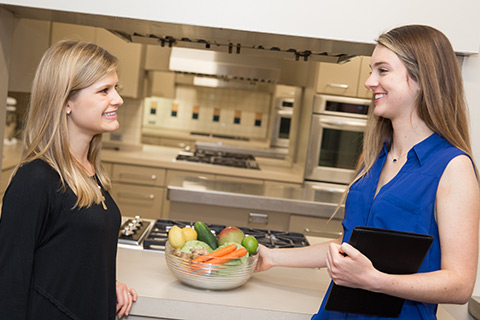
x: 222, y: 158
x: 154, y: 234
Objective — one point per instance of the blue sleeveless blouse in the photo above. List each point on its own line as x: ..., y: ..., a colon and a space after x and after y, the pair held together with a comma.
x: 406, y: 203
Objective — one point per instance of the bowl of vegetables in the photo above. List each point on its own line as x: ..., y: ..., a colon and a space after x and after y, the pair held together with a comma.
x: 202, y: 260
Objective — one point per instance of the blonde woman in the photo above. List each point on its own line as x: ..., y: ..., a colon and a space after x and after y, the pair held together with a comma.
x: 59, y: 225
x: 417, y: 176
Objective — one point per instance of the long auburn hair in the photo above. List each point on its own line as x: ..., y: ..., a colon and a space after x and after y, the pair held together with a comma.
x: 431, y: 62
x: 65, y: 68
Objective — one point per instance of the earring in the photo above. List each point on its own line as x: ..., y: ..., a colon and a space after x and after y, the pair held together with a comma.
x: 68, y: 112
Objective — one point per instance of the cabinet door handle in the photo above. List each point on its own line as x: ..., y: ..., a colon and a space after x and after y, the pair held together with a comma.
x: 136, y: 196
x: 338, y: 85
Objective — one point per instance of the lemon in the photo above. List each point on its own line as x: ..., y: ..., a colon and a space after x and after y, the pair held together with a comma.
x: 176, y: 237
x: 251, y: 244
x: 190, y: 234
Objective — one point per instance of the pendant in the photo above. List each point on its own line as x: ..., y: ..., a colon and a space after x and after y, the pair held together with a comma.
x: 103, y: 203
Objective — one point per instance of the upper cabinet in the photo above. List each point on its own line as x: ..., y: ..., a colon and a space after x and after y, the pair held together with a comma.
x: 346, y: 79
x: 131, y: 55
x: 30, y: 39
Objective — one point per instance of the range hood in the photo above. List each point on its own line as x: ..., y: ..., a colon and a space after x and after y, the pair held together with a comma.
x: 229, y: 41
x: 218, y: 69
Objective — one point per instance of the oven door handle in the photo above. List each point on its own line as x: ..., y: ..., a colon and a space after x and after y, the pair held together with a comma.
x: 339, y: 123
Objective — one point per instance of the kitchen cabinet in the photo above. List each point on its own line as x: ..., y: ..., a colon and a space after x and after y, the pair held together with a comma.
x: 65, y: 31
x: 157, y: 57
x: 138, y: 190
x: 363, y: 92
x: 161, y: 84
x: 131, y: 55
x: 345, y: 79
x: 108, y: 167
x: 315, y: 226
x: 30, y: 39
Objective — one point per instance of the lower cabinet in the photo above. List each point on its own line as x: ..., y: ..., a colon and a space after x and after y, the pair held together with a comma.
x: 134, y: 200
x: 138, y: 190
x: 315, y: 226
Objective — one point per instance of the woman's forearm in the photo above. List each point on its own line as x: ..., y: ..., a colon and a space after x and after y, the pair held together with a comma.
x: 313, y: 256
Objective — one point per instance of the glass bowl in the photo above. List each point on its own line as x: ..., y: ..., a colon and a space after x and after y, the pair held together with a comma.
x: 207, y: 276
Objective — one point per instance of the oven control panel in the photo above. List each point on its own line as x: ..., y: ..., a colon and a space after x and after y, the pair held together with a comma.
x: 134, y: 230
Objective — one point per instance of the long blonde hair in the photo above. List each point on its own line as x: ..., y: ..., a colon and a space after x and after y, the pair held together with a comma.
x: 65, y: 68
x: 431, y: 62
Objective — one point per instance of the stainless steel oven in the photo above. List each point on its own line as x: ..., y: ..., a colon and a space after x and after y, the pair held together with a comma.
x: 282, y: 122
x: 336, y: 138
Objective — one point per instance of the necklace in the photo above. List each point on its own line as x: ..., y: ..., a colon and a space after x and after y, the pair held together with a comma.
x: 103, y: 197
x: 394, y: 160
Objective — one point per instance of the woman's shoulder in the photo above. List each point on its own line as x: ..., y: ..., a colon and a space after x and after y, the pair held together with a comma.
x: 36, y: 172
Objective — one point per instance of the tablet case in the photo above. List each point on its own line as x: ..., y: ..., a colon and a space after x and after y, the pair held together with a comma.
x: 393, y: 252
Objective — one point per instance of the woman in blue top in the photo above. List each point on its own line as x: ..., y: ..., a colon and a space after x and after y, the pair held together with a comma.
x: 417, y: 175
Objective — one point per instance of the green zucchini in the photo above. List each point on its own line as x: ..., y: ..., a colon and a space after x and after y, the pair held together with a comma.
x: 204, y: 234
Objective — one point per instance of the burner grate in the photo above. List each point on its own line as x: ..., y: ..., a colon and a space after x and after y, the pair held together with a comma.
x: 158, y: 235
x: 229, y: 159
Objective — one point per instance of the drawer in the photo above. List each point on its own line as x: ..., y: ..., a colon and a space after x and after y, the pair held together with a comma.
x: 136, y: 200
x: 138, y: 175
x: 314, y: 226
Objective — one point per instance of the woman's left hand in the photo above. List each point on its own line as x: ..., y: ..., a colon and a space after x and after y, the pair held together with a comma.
x: 349, y: 267
x: 125, y: 298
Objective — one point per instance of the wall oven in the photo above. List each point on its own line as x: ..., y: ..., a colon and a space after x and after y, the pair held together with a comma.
x: 336, y: 138
x: 282, y: 122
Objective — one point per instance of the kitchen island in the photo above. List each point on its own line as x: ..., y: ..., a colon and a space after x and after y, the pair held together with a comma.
x: 279, y: 293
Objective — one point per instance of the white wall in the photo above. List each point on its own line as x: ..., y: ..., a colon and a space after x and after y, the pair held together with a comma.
x: 351, y: 20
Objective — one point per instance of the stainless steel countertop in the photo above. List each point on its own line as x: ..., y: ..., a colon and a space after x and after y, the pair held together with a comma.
x: 248, y: 195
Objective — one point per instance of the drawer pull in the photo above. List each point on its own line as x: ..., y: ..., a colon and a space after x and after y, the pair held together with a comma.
x: 338, y: 85
x: 136, y: 196
x: 258, y: 218
x: 133, y: 176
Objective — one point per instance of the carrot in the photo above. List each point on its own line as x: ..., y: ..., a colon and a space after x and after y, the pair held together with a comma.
x: 231, y: 256
x: 217, y: 253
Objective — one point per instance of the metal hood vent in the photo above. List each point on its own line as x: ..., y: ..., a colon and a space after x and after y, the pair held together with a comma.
x: 224, y: 68
x: 234, y: 42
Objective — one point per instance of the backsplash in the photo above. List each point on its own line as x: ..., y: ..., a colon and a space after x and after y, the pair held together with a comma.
x: 130, y: 119
x: 235, y: 112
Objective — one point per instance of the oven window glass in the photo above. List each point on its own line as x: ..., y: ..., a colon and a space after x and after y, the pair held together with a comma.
x: 340, y: 148
x: 346, y: 107
x: 284, y: 131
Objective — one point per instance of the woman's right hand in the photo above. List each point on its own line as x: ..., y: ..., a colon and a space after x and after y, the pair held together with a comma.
x: 264, y: 258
